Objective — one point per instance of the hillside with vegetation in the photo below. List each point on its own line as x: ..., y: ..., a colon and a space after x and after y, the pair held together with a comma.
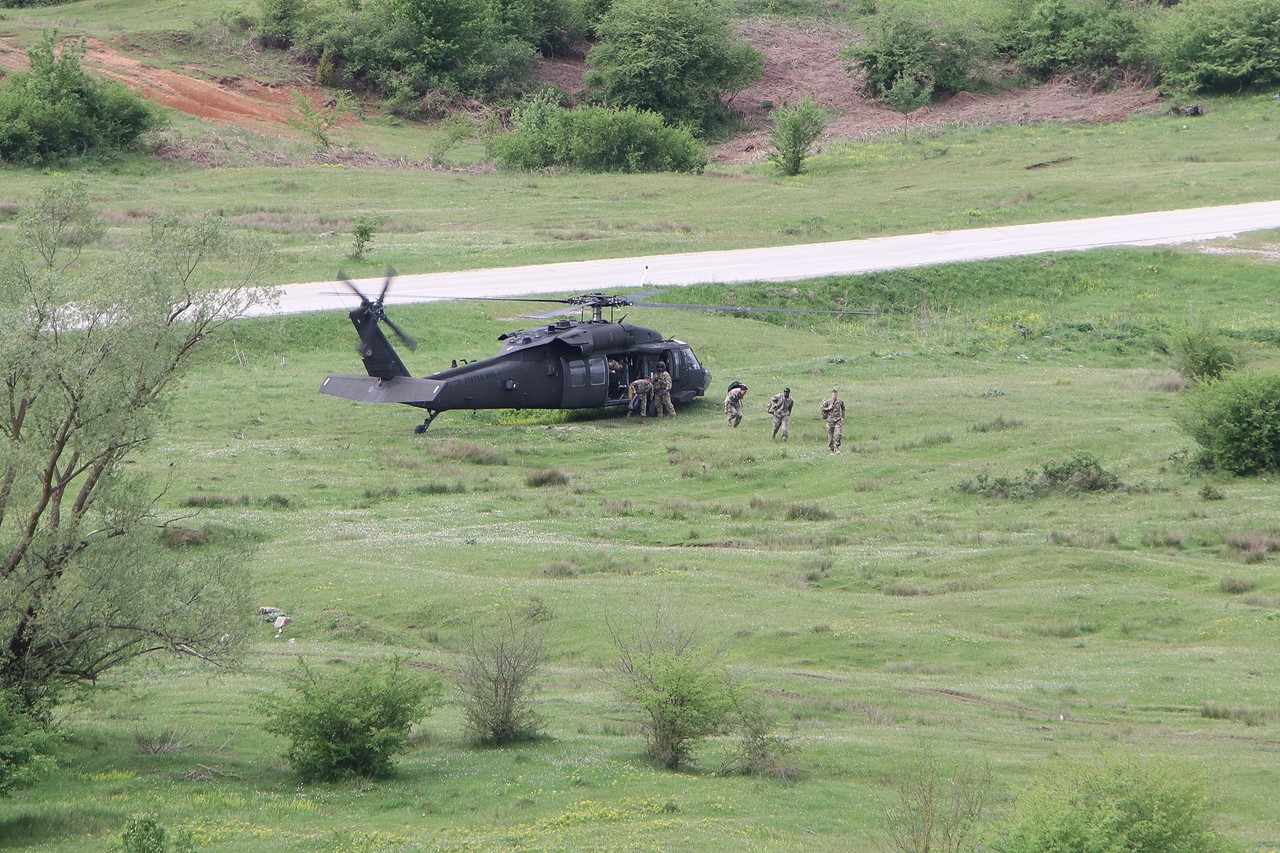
x: 1030, y: 606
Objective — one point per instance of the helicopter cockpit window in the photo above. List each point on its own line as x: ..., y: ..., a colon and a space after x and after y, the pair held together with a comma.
x: 577, y: 374
x: 690, y: 360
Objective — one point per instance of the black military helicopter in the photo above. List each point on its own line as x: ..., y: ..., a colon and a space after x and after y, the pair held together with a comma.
x: 564, y: 364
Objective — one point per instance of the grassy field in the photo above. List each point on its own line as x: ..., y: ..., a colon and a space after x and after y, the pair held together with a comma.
x: 877, y: 607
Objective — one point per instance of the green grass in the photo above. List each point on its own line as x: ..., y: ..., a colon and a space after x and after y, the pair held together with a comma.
x: 872, y: 604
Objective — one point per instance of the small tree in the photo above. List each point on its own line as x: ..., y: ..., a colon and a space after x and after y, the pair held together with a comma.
x: 678, y: 58
x: 24, y: 746
x: 496, y: 679
x: 362, y: 230
x: 918, y: 48
x: 351, y: 721
x: 677, y: 682
x: 796, y: 127
x: 933, y: 811
x: 318, y: 122
x: 1114, y: 804
x: 909, y: 93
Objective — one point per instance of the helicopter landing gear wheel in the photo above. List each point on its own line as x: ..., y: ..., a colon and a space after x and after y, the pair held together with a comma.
x: 422, y: 427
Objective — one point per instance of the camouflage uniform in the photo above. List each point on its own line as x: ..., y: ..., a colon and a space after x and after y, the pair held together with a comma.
x: 643, y: 390
x: 833, y: 413
x: 662, y: 391
x: 780, y: 407
x: 733, y: 405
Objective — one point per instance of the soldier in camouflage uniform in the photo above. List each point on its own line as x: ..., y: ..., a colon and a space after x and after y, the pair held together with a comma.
x: 641, y: 397
x: 662, y: 391
x: 780, y: 407
x: 733, y: 404
x: 833, y: 414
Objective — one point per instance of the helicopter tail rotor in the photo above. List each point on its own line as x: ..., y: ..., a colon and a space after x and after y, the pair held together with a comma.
x: 374, y: 310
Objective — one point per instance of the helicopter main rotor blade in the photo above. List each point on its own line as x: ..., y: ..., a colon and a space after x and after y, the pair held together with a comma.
x: 746, y: 308
x: 405, y: 339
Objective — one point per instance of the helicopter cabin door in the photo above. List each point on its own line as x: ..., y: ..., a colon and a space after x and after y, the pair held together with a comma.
x: 586, y: 382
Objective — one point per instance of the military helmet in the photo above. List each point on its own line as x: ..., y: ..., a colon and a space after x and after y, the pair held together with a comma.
x: 662, y: 365
x: 786, y: 390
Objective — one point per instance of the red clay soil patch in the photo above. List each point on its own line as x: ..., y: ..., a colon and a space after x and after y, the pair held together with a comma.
x: 233, y: 100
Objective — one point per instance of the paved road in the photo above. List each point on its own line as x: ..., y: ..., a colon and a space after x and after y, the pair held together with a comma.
x: 807, y: 261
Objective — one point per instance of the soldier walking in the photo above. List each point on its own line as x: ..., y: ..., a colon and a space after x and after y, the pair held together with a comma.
x: 662, y: 391
x: 733, y: 404
x: 780, y: 407
x: 833, y: 414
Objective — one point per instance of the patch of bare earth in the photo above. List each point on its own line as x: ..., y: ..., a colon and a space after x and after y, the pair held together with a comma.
x: 800, y: 59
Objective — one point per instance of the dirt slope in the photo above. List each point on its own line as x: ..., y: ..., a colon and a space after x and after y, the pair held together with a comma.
x: 800, y: 59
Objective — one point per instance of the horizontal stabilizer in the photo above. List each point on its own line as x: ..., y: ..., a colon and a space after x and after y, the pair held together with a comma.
x: 369, y: 389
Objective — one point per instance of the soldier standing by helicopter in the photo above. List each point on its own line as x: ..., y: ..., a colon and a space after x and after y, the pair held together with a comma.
x: 833, y: 414
x: 662, y: 391
x: 780, y: 407
x: 733, y: 404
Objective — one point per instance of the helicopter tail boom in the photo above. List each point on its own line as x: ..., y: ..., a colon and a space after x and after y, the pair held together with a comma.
x: 368, y: 389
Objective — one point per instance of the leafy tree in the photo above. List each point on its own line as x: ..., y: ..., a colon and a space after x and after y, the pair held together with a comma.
x: 1236, y: 420
x: 318, y: 122
x: 677, y: 58
x: 915, y: 48
x: 796, y: 127
x: 677, y: 682
x: 351, y: 721
x: 87, y: 358
x: 496, y: 679
x: 55, y: 110
x: 1114, y: 805
x: 1220, y: 45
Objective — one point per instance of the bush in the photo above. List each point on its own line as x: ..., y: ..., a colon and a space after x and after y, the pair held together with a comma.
x: 1048, y: 37
x: 918, y: 50
x: 596, y: 139
x: 1220, y: 45
x: 677, y: 58
x: 24, y: 746
x: 352, y: 721
x: 1114, y: 806
x: 1236, y: 420
x: 145, y: 834
x: 1080, y: 473
x: 677, y: 683
x: 496, y: 679
x: 935, y: 810
x: 55, y: 110
x: 795, y: 128
x: 1199, y: 353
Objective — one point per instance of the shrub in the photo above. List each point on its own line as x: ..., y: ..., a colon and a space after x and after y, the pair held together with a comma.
x: 1116, y: 804
x: 25, y: 746
x: 352, y: 721
x: 1200, y: 352
x: 915, y: 49
x: 1236, y: 421
x: 796, y: 127
x: 677, y: 58
x: 677, y: 682
x: 56, y: 110
x: 1219, y: 45
x: 145, y: 834
x: 1048, y: 37
x: 496, y: 679
x: 596, y: 139
x: 933, y: 810
x: 1080, y: 473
